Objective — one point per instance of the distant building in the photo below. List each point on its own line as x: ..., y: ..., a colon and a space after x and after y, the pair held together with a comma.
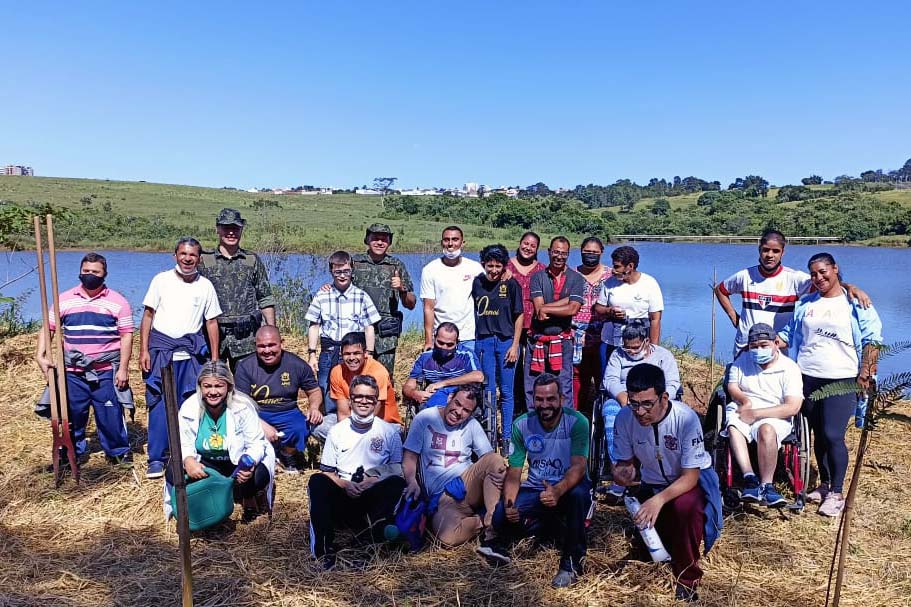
x: 471, y: 189
x: 18, y: 170
x: 367, y: 192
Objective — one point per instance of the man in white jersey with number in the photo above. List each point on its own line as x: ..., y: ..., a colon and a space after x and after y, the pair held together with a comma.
x: 769, y: 290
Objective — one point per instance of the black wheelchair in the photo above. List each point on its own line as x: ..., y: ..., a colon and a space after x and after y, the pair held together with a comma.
x: 793, y: 457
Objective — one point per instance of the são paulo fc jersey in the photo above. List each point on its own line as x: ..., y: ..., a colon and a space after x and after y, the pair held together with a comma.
x: 767, y: 299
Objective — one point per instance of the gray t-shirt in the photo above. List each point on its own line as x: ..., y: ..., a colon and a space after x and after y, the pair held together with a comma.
x: 444, y: 451
x: 664, y: 449
x: 619, y: 364
x: 572, y: 285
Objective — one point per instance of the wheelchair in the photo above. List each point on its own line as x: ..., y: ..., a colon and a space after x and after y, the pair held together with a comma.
x: 486, y: 414
x: 793, y: 458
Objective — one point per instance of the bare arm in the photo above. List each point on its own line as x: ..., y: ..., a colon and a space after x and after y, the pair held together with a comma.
x: 312, y: 341
x: 727, y: 306
x: 511, y: 485
x: 370, y: 335
x: 343, y: 408
x: 408, y: 299
x: 654, y: 327
x: 269, y: 315
x: 574, y: 475
x: 564, y: 307
x: 212, y: 332
x: 314, y: 403
x: 429, y: 305
x: 42, y: 356
x: 126, y: 350
x: 650, y: 510
x: 472, y: 377
x: 410, y: 472
x: 145, y: 329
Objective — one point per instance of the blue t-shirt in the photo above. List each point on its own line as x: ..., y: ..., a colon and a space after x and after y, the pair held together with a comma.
x: 429, y: 369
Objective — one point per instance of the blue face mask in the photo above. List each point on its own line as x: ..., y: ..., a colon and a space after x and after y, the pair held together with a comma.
x: 762, y: 356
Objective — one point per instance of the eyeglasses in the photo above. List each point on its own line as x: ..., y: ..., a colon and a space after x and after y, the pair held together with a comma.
x: 559, y: 254
x: 645, y: 405
x: 363, y: 398
x: 341, y: 272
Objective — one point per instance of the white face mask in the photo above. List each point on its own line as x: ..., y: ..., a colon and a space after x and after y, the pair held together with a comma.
x: 182, y: 273
x: 362, y: 420
x: 452, y: 254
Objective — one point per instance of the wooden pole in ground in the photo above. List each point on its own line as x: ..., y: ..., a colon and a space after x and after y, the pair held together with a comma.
x: 712, y: 352
x: 46, y: 334
x: 180, y: 485
x: 59, y: 372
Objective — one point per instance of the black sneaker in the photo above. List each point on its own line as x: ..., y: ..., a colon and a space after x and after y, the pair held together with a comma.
x: 686, y: 594
x: 249, y: 515
x: 288, y: 463
x: 494, y: 551
x: 326, y: 562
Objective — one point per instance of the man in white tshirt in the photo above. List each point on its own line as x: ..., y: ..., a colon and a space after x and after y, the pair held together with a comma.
x: 446, y: 289
x: 665, y: 437
x: 628, y: 294
x: 440, y: 442
x: 766, y: 391
x: 360, y: 479
x: 176, y: 306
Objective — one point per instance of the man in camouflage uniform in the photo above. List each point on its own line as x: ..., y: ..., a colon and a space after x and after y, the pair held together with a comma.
x: 385, y: 278
x: 243, y: 288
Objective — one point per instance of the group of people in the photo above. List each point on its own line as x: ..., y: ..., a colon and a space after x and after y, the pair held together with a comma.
x: 540, y: 340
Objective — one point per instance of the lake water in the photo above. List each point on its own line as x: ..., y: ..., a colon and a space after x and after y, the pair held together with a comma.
x: 683, y: 270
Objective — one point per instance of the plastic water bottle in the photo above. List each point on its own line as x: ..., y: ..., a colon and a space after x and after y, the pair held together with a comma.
x: 649, y: 535
x: 246, y: 463
x: 860, y: 413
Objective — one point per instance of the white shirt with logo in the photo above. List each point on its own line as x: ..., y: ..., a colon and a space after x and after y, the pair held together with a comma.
x: 828, y: 349
x: 637, y: 300
x: 348, y: 447
x: 770, y: 386
x: 450, y: 288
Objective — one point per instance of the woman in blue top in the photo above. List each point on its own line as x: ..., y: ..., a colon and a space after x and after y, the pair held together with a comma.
x: 833, y: 339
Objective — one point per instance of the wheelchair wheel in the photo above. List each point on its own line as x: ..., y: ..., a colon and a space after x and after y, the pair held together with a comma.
x: 597, y: 443
x: 489, y: 420
x: 803, y: 462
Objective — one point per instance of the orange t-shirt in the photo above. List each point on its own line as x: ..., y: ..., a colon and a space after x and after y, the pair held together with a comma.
x: 340, y: 379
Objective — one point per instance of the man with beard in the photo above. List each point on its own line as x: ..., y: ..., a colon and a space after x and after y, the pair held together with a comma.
x: 769, y: 290
x: 440, y: 444
x: 355, y: 362
x: 446, y: 289
x: 442, y: 369
x: 554, y: 439
x: 274, y: 379
x: 557, y: 295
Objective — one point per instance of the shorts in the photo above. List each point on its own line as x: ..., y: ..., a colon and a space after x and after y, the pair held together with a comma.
x: 292, y: 423
x: 782, y: 427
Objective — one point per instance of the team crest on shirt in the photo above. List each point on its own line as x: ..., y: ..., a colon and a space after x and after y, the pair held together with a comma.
x: 764, y: 300
x: 534, y: 443
x: 504, y: 291
x: 286, y: 379
x: 670, y: 442
x: 376, y: 444
x: 438, y: 440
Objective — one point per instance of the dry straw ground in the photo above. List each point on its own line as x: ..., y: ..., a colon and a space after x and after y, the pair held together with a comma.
x: 104, y: 542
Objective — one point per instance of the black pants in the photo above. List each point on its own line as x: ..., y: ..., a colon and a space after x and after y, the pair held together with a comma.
x: 828, y: 419
x: 258, y: 482
x: 331, y: 507
x: 565, y: 523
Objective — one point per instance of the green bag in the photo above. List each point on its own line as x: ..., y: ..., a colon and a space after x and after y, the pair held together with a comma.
x: 209, y: 500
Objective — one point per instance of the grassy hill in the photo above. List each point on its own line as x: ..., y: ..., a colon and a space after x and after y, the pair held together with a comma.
x: 163, y: 212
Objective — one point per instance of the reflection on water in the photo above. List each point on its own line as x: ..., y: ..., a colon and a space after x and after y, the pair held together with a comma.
x: 683, y: 270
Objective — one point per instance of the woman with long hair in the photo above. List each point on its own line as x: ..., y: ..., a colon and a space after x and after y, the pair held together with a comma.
x: 833, y: 339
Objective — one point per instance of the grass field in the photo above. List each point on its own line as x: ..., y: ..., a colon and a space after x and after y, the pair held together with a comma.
x: 305, y: 223
x: 105, y: 542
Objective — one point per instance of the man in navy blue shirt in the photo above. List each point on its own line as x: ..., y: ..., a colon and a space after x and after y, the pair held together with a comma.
x: 443, y: 368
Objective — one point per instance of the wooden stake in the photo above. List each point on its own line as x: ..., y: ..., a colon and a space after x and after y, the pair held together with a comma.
x: 712, y: 355
x: 180, y: 484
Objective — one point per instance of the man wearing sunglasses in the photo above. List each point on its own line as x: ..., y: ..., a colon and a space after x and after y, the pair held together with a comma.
x: 665, y: 438
x: 333, y: 314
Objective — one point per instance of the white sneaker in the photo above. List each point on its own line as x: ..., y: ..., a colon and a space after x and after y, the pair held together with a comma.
x: 818, y: 494
x: 833, y: 505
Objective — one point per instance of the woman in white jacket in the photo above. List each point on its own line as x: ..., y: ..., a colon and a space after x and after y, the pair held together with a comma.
x: 217, y: 427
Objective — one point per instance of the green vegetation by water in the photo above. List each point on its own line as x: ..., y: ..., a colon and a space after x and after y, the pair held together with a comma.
x: 147, y: 216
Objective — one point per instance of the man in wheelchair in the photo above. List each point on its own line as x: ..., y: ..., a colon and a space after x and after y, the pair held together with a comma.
x: 444, y: 368
x: 766, y: 391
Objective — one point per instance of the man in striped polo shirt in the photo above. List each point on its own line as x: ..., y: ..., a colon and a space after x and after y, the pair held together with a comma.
x: 97, y: 343
x: 448, y: 365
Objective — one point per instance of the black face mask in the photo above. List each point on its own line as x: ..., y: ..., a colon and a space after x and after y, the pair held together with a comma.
x: 441, y: 355
x: 91, y: 281
x: 590, y: 260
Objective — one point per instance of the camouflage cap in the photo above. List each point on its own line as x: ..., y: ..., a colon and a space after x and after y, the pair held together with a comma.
x: 379, y: 228
x: 230, y: 217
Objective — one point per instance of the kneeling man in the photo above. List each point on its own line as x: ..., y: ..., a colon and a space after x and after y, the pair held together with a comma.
x: 766, y: 391
x: 360, y: 479
x: 442, y: 439
x: 554, y: 438
x: 665, y: 437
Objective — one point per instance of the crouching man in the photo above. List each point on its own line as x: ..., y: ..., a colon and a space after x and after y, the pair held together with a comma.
x: 555, y: 439
x: 442, y: 440
x: 665, y: 438
x: 360, y: 479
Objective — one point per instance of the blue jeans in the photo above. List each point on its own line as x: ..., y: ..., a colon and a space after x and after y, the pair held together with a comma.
x: 100, y: 395
x: 609, y: 411
x: 328, y: 358
x: 497, y: 372
x: 185, y: 377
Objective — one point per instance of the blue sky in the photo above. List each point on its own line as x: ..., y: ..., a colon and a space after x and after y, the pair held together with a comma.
x: 437, y: 94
